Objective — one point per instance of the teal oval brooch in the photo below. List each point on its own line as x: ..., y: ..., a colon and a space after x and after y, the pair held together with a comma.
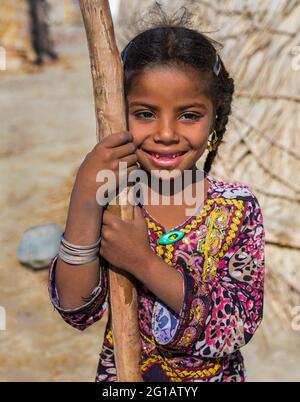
x: 168, y: 238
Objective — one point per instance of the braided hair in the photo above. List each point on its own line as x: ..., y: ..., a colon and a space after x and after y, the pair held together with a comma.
x: 173, y: 44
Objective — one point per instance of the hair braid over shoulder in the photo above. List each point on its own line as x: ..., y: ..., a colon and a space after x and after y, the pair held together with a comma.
x: 223, y: 111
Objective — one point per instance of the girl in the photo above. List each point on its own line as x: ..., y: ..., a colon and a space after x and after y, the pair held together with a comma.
x: 200, y: 293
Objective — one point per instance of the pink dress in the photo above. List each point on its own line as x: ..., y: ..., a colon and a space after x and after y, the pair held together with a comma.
x: 221, y: 258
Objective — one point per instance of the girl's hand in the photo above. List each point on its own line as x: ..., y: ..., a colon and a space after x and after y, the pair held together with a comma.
x: 106, y: 155
x: 125, y: 244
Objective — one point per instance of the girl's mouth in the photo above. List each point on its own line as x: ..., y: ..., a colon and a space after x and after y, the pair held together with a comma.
x: 163, y: 160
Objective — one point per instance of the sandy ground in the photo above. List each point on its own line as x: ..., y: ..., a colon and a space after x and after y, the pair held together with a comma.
x: 47, y: 127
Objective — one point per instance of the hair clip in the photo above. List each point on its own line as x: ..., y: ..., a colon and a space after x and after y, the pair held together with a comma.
x: 125, y: 52
x: 217, y: 65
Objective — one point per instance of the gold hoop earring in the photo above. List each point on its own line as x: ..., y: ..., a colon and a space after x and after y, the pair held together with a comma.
x: 212, y: 142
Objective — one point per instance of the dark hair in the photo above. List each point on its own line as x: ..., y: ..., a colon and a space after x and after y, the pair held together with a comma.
x: 172, y: 44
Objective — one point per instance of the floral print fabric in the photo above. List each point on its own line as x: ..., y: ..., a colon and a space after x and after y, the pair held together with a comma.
x: 221, y: 259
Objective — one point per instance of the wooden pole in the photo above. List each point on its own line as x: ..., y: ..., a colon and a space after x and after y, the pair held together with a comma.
x: 107, y: 75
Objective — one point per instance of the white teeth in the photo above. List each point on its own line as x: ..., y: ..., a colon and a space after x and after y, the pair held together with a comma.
x: 172, y: 156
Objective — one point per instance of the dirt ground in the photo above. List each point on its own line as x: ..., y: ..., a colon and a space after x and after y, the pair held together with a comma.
x: 47, y: 128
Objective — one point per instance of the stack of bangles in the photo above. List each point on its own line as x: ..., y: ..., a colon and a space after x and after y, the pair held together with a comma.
x: 78, y: 255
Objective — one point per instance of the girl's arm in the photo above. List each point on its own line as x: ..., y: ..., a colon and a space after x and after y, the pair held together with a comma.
x: 75, y: 283
x: 126, y: 245
x: 162, y: 280
x: 79, y: 292
x: 71, y: 286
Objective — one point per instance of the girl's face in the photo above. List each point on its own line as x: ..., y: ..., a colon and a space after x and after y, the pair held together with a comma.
x: 169, y: 115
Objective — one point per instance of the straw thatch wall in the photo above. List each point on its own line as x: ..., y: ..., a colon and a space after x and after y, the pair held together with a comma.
x: 262, y: 143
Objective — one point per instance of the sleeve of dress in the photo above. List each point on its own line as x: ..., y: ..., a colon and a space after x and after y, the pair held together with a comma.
x: 223, y: 306
x: 90, y: 312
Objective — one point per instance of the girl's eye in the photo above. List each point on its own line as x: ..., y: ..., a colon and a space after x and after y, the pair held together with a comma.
x: 143, y: 115
x: 191, y: 116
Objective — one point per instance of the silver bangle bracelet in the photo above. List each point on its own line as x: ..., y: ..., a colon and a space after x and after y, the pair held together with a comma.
x: 76, y: 260
x: 78, y: 247
x: 77, y: 255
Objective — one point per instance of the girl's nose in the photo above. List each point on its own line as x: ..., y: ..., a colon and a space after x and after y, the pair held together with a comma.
x: 166, y: 131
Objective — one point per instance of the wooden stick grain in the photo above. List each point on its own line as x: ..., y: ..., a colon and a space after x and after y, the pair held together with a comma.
x: 107, y: 76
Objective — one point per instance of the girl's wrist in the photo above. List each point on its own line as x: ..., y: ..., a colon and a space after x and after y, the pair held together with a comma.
x: 141, y: 262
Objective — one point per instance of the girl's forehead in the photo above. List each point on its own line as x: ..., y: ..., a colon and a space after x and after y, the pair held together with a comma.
x: 169, y: 80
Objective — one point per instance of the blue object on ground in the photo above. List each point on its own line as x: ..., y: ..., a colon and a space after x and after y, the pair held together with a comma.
x: 39, y: 244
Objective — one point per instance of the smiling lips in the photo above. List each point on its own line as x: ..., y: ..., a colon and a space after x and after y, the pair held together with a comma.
x: 163, y: 155
x: 165, y: 160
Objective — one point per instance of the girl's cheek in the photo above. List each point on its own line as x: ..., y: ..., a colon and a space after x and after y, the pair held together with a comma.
x: 130, y: 120
x: 134, y: 129
x: 137, y: 133
x: 130, y: 126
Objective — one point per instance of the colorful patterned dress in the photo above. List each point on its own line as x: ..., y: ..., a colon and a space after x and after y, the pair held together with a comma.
x: 221, y: 258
